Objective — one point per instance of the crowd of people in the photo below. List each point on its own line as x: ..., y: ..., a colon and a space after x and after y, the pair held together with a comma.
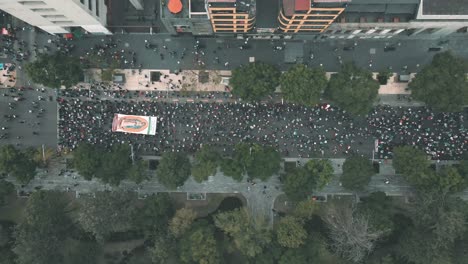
x: 297, y: 131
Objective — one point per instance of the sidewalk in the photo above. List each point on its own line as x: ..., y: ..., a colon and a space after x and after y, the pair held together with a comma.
x: 165, y: 80
x: 203, y: 81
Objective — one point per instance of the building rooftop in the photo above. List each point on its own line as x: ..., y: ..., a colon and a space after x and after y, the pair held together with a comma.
x: 445, y: 7
x: 267, y: 13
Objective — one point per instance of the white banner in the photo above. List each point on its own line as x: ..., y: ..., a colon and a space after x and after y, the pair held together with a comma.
x: 134, y: 124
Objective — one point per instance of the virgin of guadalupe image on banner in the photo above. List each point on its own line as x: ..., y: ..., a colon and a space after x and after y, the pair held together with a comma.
x: 134, y: 124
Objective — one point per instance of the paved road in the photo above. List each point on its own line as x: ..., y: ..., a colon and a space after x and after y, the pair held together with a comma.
x: 25, y: 123
x: 368, y: 53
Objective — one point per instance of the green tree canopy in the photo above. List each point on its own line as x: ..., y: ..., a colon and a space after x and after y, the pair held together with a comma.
x: 173, y: 169
x: 164, y: 248
x: 410, y: 162
x: 182, y: 221
x: 321, y: 171
x: 55, y: 70
x: 115, y: 165
x: 87, y: 160
x: 199, y: 245
x: 442, y: 84
x: 298, y: 184
x: 232, y: 168
x: 254, y: 80
x: 290, y: 232
x: 80, y: 252
x: 249, y: 236
x: 138, y: 172
x: 357, y: 173
x: 303, y: 85
x: 107, y: 212
x: 314, y: 250
x: 17, y: 164
x: 153, y: 217
x: 43, y: 229
x: 258, y: 161
x: 304, y: 210
x: 353, y: 89
x: 6, y: 188
x: 438, y: 220
x: 206, y: 163
x: 379, y: 207
x: 266, y: 162
x: 24, y: 169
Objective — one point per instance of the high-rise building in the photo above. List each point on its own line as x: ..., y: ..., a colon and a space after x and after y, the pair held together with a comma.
x: 60, y: 16
x: 326, y: 18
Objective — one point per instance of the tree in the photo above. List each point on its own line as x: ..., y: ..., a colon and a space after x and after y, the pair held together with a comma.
x: 43, y: 229
x: 438, y: 220
x: 153, y: 218
x: 82, y: 252
x: 449, y: 180
x: 357, y: 173
x: 87, y: 160
x: 258, y: 161
x: 40, y: 156
x: 199, y: 245
x: 182, y: 221
x: 55, y: 70
x: 303, y: 85
x: 299, y: 184
x: 173, y: 169
x: 254, y: 80
x: 350, y: 232
x: 442, y: 84
x: 290, y: 232
x: 115, y: 165
x: 206, y: 163
x: 6, y: 188
x: 138, y: 171
x: 17, y: 164
x: 24, y: 169
x: 232, y: 168
x: 103, y: 214
x: 417, y: 246
x: 321, y: 171
x: 383, y: 76
x: 412, y: 163
x: 353, y: 89
x: 8, y: 155
x: 164, y: 248
x: 249, y: 236
x: 266, y: 162
x: 314, y: 250
x: 305, y: 210
x: 442, y: 215
x: 378, y: 206
x: 4, y: 236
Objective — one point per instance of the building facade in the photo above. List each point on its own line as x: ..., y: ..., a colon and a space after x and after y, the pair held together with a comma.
x: 329, y: 18
x: 60, y: 16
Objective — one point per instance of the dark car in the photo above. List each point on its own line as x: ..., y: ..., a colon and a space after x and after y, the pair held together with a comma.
x: 348, y: 48
x: 389, y: 48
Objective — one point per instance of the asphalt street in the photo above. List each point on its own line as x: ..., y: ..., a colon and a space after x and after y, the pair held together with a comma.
x: 29, y: 118
x: 409, y: 54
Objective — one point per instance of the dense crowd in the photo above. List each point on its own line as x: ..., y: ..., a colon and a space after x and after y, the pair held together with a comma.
x: 295, y: 130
